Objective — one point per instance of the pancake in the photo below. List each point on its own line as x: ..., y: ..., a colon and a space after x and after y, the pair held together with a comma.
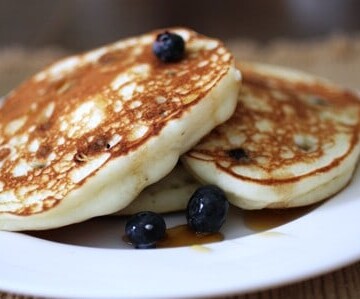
x: 292, y: 141
x: 84, y: 136
x: 170, y: 194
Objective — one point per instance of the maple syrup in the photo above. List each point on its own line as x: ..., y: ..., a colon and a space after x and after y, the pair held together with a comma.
x: 260, y: 220
x: 182, y: 235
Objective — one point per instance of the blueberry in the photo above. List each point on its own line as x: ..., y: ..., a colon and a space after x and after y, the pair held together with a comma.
x: 207, y: 209
x: 238, y: 154
x: 144, y: 229
x: 169, y: 47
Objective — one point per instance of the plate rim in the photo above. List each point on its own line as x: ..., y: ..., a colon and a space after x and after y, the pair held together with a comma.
x: 345, y: 204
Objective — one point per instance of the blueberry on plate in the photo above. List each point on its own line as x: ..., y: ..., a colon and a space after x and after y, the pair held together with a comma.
x: 169, y: 47
x: 207, y: 209
x: 144, y: 229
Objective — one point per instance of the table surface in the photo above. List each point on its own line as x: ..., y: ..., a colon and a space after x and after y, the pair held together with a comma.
x: 336, y: 58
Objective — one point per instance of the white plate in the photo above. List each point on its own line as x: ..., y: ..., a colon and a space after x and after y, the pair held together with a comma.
x: 89, y: 259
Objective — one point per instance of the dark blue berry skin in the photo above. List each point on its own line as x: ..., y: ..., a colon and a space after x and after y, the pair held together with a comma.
x: 169, y: 47
x: 207, y: 209
x: 238, y: 154
x: 144, y: 229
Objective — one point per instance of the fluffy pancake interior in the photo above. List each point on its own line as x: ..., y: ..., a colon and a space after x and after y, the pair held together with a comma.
x: 170, y: 194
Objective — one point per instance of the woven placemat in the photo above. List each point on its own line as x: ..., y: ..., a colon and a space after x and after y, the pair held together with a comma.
x: 18, y: 63
x: 336, y: 58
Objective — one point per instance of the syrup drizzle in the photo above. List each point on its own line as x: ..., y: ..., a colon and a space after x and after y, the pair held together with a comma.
x: 260, y: 220
x: 182, y: 235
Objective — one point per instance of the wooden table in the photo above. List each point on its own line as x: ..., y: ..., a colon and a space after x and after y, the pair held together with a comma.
x: 337, y: 58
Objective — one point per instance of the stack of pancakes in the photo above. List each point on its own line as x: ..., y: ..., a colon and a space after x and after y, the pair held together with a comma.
x: 100, y: 133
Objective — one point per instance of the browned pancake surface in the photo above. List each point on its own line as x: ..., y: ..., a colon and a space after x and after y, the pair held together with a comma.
x: 281, y: 129
x: 62, y: 125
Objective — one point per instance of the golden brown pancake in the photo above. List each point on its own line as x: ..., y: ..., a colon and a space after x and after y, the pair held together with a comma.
x: 293, y: 140
x: 84, y: 136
